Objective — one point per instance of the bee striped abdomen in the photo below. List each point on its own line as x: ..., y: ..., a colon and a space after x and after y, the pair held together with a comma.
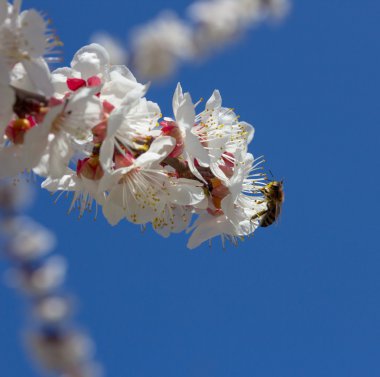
x: 269, y: 218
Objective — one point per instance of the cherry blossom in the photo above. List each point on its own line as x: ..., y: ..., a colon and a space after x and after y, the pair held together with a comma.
x: 89, y: 130
x: 135, y: 187
x: 159, y: 45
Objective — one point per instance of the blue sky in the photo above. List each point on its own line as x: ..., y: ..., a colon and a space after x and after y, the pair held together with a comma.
x: 299, y: 299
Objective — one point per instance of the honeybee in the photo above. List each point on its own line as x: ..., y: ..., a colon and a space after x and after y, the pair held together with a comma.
x: 274, y: 195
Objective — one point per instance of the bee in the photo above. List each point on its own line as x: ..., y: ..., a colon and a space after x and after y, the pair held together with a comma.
x: 274, y: 195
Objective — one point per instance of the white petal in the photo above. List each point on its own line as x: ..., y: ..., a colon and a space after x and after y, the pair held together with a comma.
x: 215, y: 101
x: 60, y: 155
x: 173, y: 219
x: 159, y: 150
x: 106, y: 154
x: 122, y: 87
x: 115, y: 121
x: 90, y: 60
x: 82, y: 112
x: 207, y: 227
x: 186, y: 192
x: 109, y: 180
x: 39, y: 74
x: 190, y: 161
x: 123, y: 71
x: 250, y: 131
x: 133, y: 95
x: 113, y: 212
x: 33, y: 31
x: 177, y: 99
x: 59, y: 80
x: 185, y: 118
x: 185, y: 114
x: 238, y: 217
x: 195, y: 149
x: 67, y: 183
x: 17, y: 158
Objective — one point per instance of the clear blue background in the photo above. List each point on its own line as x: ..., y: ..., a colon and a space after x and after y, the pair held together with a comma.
x: 299, y: 299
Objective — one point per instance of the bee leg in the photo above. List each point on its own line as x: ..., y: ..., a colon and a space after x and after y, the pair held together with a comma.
x: 258, y: 214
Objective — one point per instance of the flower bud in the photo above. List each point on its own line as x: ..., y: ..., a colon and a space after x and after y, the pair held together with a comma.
x: 123, y: 160
x: 90, y: 168
x: 58, y: 350
x: 170, y: 128
x: 15, y: 131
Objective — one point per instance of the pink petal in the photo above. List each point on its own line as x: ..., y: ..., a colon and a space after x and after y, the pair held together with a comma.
x: 74, y: 83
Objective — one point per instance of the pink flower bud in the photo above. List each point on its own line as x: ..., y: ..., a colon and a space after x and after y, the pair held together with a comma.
x: 218, y: 192
x: 75, y: 84
x: 123, y: 160
x: 90, y: 168
x: 99, y: 132
x: 170, y: 128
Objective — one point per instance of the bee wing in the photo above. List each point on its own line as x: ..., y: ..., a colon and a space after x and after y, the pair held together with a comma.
x: 278, y: 210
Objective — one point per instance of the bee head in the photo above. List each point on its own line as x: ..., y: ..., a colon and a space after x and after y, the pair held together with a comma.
x: 275, y: 190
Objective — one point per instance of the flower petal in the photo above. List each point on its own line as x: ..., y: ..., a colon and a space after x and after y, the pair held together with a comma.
x: 159, y: 150
x: 90, y: 60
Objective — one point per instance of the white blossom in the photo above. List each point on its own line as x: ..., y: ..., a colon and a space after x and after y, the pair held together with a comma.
x: 234, y: 205
x: 135, y: 190
x: 71, y: 129
x: 87, y: 68
x: 177, y: 203
x: 23, y: 36
x: 41, y: 279
x: 91, y: 67
x: 158, y: 45
x: 60, y: 352
x: 86, y: 192
x: 222, y: 133
x: 129, y: 128
x: 25, y: 156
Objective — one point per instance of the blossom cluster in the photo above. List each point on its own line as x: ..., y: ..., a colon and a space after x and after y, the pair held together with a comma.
x: 161, y: 44
x: 89, y: 129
